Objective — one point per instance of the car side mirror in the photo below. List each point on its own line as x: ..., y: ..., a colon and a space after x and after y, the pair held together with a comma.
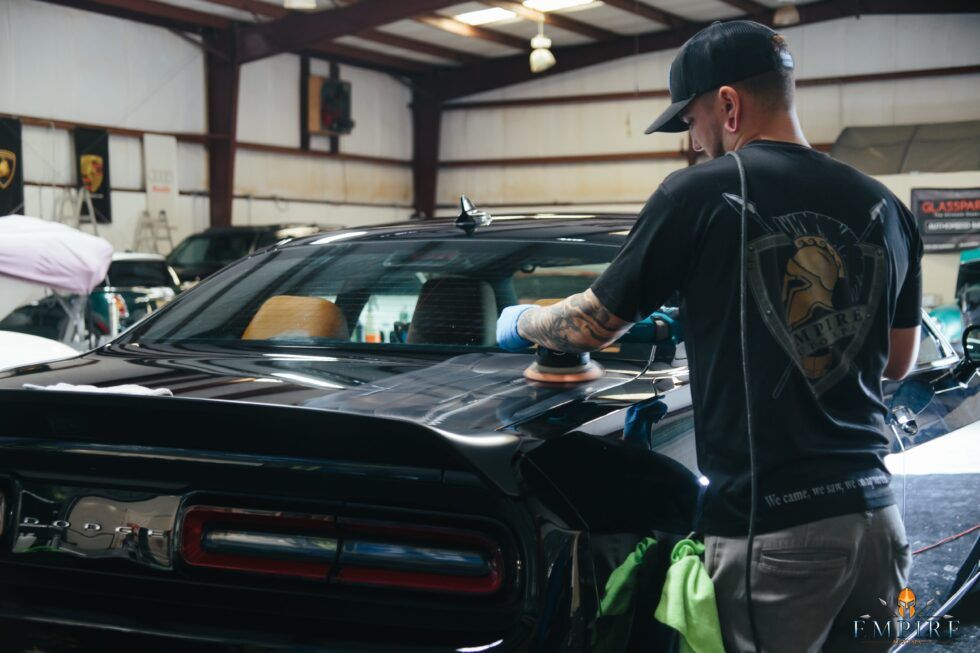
x: 971, y: 354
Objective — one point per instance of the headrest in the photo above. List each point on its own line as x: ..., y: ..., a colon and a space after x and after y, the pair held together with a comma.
x: 454, y: 311
x: 285, y: 316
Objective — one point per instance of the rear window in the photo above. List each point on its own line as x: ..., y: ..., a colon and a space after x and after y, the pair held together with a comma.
x: 213, y: 249
x: 125, y: 274
x: 404, y: 293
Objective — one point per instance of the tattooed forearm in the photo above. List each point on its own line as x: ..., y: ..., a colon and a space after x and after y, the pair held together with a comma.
x: 575, y: 324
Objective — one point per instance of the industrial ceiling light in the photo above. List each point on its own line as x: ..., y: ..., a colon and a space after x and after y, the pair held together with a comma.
x: 555, y: 5
x: 786, y: 15
x: 299, y: 4
x: 541, y: 57
x: 485, y: 16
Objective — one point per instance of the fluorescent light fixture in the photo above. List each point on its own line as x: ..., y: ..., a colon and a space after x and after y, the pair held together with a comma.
x: 555, y: 5
x: 485, y: 16
x: 299, y: 4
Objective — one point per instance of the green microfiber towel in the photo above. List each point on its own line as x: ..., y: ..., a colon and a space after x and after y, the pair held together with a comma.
x: 612, y: 630
x: 687, y: 603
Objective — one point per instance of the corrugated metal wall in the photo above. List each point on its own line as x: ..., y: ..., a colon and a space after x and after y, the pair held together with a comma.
x: 78, y: 66
x: 871, y: 44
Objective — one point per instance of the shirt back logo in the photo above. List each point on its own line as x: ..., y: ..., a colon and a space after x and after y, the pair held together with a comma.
x: 818, y: 285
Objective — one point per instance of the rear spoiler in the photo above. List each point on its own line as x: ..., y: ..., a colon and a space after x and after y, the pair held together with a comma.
x: 253, y: 430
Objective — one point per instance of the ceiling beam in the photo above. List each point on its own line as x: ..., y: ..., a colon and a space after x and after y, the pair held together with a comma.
x: 560, y: 21
x: 423, y: 47
x: 300, y: 30
x: 459, y: 28
x: 649, y: 12
x: 358, y: 56
x: 495, y: 73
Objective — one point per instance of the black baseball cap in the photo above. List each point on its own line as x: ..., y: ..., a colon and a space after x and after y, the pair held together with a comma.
x: 721, y: 53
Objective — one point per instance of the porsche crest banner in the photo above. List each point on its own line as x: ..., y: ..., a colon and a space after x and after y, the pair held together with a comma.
x: 11, y: 170
x: 92, y: 162
x: 948, y: 218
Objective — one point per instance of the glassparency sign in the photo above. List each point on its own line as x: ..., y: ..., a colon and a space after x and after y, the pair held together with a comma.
x: 948, y: 218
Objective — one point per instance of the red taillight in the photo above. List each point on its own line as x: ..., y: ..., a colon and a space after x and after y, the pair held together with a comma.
x: 259, y: 541
x: 413, y: 557
x: 347, y: 552
x: 120, y: 304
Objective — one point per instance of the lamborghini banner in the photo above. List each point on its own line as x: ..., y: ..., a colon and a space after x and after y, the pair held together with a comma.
x: 92, y: 161
x: 11, y: 170
x: 949, y: 218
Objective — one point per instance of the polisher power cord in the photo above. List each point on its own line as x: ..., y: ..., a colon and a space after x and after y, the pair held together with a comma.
x: 743, y: 319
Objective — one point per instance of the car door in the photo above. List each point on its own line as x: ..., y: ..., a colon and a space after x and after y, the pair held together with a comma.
x: 935, y: 462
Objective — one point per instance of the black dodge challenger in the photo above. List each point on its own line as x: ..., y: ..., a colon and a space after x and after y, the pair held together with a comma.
x: 343, y: 460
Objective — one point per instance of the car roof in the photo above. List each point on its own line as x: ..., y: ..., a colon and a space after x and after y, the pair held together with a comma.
x: 595, y: 228
x: 262, y: 228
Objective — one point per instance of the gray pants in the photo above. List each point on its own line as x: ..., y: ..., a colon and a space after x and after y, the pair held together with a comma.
x: 810, y: 582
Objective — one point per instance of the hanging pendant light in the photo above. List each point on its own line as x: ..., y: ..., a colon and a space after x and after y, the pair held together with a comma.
x: 541, y: 56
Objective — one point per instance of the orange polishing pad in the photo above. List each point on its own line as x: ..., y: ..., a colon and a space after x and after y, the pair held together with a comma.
x: 557, y: 367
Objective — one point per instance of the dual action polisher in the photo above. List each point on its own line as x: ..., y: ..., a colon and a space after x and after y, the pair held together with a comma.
x: 558, y: 367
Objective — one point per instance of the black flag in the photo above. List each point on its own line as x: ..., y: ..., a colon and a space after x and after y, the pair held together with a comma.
x: 11, y: 170
x: 92, y: 162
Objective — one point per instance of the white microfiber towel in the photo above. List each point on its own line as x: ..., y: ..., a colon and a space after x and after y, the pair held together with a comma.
x: 115, y: 389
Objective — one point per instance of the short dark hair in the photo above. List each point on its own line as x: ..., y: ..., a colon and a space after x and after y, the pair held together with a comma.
x: 776, y: 88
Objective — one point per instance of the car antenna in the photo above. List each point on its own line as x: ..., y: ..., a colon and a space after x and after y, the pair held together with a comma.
x: 470, y: 218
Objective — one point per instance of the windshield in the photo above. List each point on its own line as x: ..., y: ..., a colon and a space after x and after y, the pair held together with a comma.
x: 125, y: 274
x: 419, y: 292
x: 212, y: 249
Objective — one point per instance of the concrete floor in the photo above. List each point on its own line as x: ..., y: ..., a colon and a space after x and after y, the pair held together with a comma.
x: 942, y: 497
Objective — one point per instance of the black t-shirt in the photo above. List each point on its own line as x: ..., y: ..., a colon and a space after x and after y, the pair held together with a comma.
x: 834, y: 264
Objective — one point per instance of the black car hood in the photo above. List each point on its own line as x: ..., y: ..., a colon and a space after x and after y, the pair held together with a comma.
x: 469, y: 394
x: 474, y: 400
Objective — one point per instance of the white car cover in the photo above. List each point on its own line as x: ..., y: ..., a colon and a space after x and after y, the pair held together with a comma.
x: 18, y: 349
x: 52, y: 254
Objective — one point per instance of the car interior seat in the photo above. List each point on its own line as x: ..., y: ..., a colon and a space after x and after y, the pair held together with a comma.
x: 285, y: 316
x: 454, y: 311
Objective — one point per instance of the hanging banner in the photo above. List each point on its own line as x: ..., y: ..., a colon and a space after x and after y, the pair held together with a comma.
x: 11, y: 170
x: 948, y: 218
x: 92, y: 162
x: 160, y: 166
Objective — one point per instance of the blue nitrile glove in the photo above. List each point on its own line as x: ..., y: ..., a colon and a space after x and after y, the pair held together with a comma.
x: 507, y: 336
x: 672, y: 316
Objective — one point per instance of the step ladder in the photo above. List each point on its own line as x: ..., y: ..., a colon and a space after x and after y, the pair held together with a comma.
x: 69, y: 209
x: 151, y: 231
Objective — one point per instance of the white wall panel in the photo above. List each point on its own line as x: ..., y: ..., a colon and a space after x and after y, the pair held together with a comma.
x: 192, y: 167
x: 250, y: 211
x: 126, y: 163
x: 268, y: 101
x: 631, y: 182
x: 301, y: 177
x: 47, y: 154
x: 75, y: 65
x: 383, y: 119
